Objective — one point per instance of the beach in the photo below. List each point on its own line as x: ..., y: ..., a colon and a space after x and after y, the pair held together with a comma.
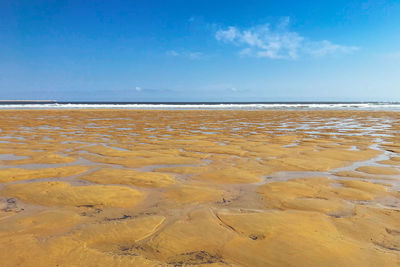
x: 121, y: 187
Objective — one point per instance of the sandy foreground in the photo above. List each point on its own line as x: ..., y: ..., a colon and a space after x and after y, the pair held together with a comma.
x: 194, y: 188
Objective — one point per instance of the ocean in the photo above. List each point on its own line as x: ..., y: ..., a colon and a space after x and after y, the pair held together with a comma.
x: 383, y: 106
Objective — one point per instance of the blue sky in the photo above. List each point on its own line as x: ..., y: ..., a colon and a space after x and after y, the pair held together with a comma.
x: 200, y: 50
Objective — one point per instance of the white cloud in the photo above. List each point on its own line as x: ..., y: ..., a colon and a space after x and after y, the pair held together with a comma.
x: 279, y: 42
x: 393, y: 55
x: 185, y: 54
x: 228, y: 35
x: 172, y: 53
x: 325, y: 47
x: 137, y: 88
x: 195, y: 55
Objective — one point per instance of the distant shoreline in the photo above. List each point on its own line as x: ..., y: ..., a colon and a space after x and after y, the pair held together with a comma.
x: 28, y: 101
x: 44, y: 104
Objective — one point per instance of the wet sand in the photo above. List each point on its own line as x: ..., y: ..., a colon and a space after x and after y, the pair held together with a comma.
x: 199, y: 188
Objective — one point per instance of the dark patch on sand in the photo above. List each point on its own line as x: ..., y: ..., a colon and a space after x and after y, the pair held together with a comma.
x: 194, y: 258
x: 257, y: 236
x: 123, y: 217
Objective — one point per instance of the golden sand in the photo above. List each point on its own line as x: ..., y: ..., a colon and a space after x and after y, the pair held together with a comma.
x: 130, y: 177
x: 199, y: 188
x: 16, y: 174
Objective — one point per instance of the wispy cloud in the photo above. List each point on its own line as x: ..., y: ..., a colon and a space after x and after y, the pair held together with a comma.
x: 392, y: 55
x: 279, y: 42
x: 226, y: 88
x: 172, y: 53
x: 146, y: 90
x: 185, y: 54
x: 326, y: 47
x: 195, y: 55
